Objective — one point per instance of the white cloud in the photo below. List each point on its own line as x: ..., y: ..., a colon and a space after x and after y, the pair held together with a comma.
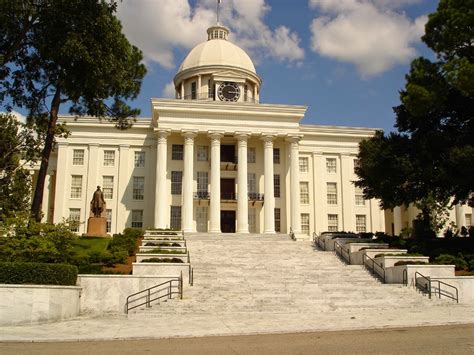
x: 19, y: 117
x: 370, y: 34
x: 159, y: 27
x: 169, y: 92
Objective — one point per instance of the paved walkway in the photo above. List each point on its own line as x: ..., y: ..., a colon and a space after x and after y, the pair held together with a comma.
x: 257, y: 285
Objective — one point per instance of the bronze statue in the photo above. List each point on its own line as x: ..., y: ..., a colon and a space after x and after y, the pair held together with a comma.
x: 97, y: 203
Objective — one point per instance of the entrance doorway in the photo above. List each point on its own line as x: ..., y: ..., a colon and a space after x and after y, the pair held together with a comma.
x: 228, y: 221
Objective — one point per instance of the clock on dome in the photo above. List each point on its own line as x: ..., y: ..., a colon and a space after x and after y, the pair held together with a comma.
x: 228, y: 91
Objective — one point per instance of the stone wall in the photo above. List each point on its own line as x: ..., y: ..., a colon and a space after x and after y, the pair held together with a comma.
x: 26, y: 304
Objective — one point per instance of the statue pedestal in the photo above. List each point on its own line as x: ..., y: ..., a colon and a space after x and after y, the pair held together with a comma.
x: 97, y: 227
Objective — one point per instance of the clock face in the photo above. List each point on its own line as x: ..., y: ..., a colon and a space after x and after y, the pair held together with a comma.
x: 228, y: 91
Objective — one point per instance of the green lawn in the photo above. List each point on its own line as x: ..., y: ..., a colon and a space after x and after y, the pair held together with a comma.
x: 86, y: 245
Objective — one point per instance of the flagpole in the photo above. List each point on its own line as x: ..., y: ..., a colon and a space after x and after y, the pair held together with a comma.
x: 218, y: 3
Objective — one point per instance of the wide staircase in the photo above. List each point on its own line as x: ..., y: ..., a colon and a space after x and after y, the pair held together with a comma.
x: 273, y: 274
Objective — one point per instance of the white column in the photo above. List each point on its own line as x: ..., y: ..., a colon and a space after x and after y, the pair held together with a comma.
x: 161, y: 196
x: 124, y: 177
x: 215, y: 200
x: 269, y: 197
x: 198, y: 89
x: 320, y: 212
x: 295, y: 184
x: 460, y: 216
x: 187, y: 216
x: 242, y: 194
x: 92, y: 179
x: 397, y: 220
x: 63, y: 179
x: 182, y: 90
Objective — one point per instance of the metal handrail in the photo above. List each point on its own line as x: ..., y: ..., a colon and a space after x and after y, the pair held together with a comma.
x: 341, y: 252
x: 212, y: 97
x: 405, y: 277
x: 372, y: 269
x: 429, y: 288
x: 191, y: 276
x: 147, y: 294
x: 255, y: 196
x: 320, y: 242
x: 292, y: 234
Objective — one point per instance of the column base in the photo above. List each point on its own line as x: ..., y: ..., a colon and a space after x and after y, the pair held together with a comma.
x: 301, y: 237
x: 214, y: 231
x: 269, y: 232
x: 243, y: 231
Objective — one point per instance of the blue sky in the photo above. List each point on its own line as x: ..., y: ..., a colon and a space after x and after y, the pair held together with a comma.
x: 344, y: 59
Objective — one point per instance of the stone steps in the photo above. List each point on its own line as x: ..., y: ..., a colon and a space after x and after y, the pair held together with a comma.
x: 252, y: 274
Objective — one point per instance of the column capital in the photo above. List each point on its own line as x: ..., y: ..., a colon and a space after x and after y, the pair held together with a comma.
x: 293, y: 139
x: 189, y: 133
x: 215, y: 134
x: 242, y: 136
x: 124, y: 146
x: 268, y: 137
x: 162, y: 133
x: 62, y: 144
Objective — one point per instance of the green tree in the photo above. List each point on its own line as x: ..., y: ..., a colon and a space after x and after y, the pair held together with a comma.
x: 73, y: 52
x: 18, y: 146
x: 431, y: 158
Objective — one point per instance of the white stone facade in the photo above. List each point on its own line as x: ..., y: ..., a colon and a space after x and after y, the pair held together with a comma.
x: 213, y: 160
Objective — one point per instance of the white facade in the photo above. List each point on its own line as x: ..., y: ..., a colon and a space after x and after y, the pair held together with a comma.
x: 213, y: 160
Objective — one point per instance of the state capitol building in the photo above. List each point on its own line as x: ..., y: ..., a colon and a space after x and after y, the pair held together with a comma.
x: 214, y: 159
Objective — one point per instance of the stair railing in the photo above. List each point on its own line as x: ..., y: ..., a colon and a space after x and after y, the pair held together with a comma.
x: 341, y: 252
x: 427, y: 287
x: 174, y: 286
x: 375, y: 268
x: 319, y: 241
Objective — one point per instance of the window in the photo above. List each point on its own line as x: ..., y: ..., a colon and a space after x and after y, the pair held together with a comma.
x: 251, y: 155
x: 193, y: 91
x: 331, y: 165
x: 108, y: 187
x: 202, y: 181
x: 137, y: 218
x: 201, y: 219
x: 209, y: 90
x: 276, y: 185
x: 304, y: 165
x: 468, y: 218
x: 138, y: 187
x: 359, y: 197
x: 78, y: 157
x: 176, y: 182
x: 139, y: 159
x: 76, y: 186
x: 175, y: 218
x: 333, y: 224
x: 252, y: 220
x: 74, y: 219
x: 276, y: 155
x: 177, y: 152
x: 109, y: 157
x: 332, y: 193
x: 360, y: 223
x: 246, y: 98
x: 304, y: 192
x: 251, y: 183
x: 202, y: 153
x: 277, y: 220
x: 305, y: 223
x: 108, y: 217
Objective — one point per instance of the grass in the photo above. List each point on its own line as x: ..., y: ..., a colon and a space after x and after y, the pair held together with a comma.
x: 85, y: 245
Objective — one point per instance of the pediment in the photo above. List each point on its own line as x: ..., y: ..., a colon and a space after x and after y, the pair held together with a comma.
x: 229, y: 75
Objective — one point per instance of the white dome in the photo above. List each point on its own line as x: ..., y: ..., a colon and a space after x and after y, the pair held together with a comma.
x: 217, y: 52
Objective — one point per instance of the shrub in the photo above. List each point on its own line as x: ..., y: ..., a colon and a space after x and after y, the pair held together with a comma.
x: 410, y: 262
x: 175, y: 245
x: 162, y: 260
x: 38, y: 273
x: 133, y: 232
x: 162, y: 251
x: 448, y: 259
x: 124, y: 242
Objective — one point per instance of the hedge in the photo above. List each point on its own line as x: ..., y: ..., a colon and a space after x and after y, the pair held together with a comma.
x: 38, y: 273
